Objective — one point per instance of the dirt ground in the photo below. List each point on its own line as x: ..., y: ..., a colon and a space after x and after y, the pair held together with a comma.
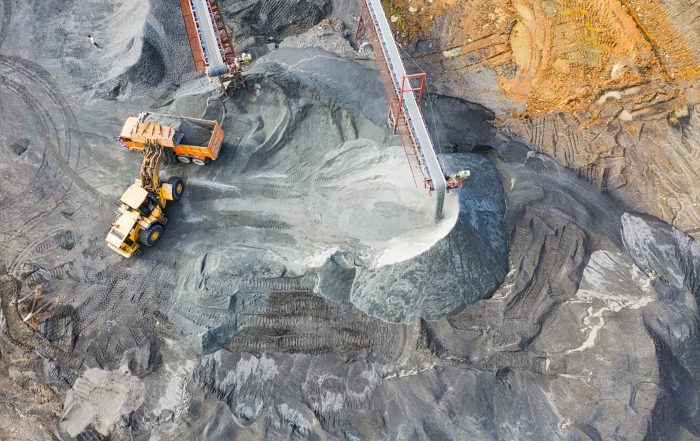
x: 558, y: 54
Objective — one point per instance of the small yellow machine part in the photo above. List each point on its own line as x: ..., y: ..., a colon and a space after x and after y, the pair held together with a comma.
x: 154, y: 236
x: 167, y: 191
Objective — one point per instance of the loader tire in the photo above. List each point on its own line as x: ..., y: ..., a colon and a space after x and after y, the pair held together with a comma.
x: 178, y: 186
x: 151, y: 235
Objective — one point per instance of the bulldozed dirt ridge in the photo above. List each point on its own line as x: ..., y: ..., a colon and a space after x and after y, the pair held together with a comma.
x: 557, y: 54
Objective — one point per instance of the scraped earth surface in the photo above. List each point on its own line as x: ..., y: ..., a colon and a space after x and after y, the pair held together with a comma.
x: 302, y: 289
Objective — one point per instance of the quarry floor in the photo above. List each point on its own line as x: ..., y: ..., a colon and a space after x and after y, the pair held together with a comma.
x: 302, y: 289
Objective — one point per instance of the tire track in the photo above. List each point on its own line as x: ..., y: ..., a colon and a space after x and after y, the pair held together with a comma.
x: 23, y: 336
x: 6, y: 19
x: 40, y: 77
x: 47, y: 241
x: 53, y: 179
x: 43, y: 117
x: 44, y: 180
x: 46, y: 121
x: 494, y: 49
x: 300, y: 322
x: 230, y: 219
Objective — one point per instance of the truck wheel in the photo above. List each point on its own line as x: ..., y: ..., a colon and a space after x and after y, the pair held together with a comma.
x: 183, y: 159
x: 198, y: 161
x: 151, y: 235
x: 178, y: 186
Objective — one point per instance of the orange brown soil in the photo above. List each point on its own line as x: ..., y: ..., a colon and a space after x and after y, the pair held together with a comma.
x: 555, y: 54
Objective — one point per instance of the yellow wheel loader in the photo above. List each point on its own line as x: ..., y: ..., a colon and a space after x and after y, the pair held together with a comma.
x: 141, y: 211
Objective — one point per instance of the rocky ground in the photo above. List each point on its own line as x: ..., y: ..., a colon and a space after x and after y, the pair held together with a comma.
x: 304, y: 291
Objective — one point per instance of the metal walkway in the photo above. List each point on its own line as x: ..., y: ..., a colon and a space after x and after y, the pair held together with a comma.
x: 405, y: 105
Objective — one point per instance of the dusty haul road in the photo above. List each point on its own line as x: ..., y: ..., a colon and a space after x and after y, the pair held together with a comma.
x: 302, y: 290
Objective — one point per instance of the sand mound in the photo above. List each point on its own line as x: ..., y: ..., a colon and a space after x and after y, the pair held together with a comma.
x: 465, y: 266
x: 315, y: 173
x: 306, y: 180
x: 150, y: 52
x: 143, y: 44
x: 99, y: 399
x: 330, y: 34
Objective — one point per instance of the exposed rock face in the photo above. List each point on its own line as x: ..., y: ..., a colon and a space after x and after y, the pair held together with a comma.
x: 649, y: 164
x: 672, y: 261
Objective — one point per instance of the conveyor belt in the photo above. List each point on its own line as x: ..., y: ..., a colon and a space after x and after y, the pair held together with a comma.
x: 411, y: 110
x: 207, y: 50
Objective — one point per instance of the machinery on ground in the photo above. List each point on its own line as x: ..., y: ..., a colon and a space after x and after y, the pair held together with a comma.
x: 190, y: 139
x: 213, y: 51
x: 456, y: 180
x: 141, y: 214
x: 142, y: 210
x: 405, y: 92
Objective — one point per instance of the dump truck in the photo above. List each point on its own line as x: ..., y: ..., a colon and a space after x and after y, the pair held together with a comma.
x: 141, y: 214
x: 190, y: 139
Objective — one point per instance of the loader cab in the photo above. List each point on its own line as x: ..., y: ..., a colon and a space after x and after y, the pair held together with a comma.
x: 136, y: 198
x: 125, y: 235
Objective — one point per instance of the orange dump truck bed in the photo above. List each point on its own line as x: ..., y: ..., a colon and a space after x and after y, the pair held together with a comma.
x: 192, y: 139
